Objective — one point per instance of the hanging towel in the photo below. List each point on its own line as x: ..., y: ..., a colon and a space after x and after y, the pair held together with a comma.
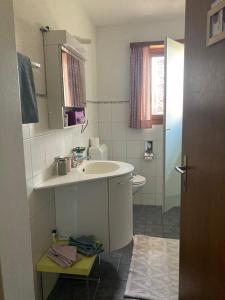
x: 27, y: 90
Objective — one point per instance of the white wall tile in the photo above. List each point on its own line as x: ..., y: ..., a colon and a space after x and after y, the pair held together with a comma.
x: 69, y: 141
x: 148, y: 134
x: 159, y: 167
x: 158, y: 129
x: 159, y: 186
x: 119, y: 150
x: 148, y: 168
x: 120, y: 112
x: 42, y: 127
x: 104, y: 112
x: 133, y: 134
x: 133, y: 149
x: 38, y: 154
x: 50, y: 149
x: 28, y: 159
x: 158, y: 148
x: 119, y: 131
x: 26, y: 131
x: 105, y: 131
x: 122, y: 137
x: 60, y: 144
x: 150, y: 186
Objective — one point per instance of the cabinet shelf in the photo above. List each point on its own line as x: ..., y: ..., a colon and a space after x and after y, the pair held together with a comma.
x: 74, y: 126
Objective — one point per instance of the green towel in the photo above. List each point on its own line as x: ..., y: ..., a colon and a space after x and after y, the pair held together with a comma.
x: 87, y: 245
x: 28, y: 99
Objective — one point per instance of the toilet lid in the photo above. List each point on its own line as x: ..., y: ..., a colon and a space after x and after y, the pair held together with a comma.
x: 138, y: 179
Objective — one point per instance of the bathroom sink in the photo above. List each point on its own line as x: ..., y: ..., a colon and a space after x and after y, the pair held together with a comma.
x: 100, y: 167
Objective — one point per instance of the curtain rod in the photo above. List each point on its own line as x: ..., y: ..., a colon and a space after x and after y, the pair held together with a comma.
x: 149, y: 43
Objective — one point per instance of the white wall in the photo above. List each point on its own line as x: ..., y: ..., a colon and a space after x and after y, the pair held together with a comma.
x: 15, y: 245
x: 113, y: 69
x: 41, y: 144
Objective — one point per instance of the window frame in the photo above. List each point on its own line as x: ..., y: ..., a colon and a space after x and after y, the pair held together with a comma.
x: 156, y: 119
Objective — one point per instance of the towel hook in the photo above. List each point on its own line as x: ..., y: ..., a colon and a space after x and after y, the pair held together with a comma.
x: 84, y: 127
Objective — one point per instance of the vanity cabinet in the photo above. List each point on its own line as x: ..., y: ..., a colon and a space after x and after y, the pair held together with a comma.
x: 102, y: 208
x: 120, y: 211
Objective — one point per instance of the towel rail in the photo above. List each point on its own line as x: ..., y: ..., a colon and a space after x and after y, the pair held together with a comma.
x: 38, y: 66
x: 35, y: 65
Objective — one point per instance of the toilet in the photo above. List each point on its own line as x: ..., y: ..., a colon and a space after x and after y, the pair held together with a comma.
x: 100, y: 152
x: 138, y: 182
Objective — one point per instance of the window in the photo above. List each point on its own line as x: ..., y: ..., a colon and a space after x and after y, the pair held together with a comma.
x: 147, y: 84
x: 157, y: 80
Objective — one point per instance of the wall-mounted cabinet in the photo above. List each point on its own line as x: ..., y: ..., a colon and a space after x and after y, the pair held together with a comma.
x: 65, y: 75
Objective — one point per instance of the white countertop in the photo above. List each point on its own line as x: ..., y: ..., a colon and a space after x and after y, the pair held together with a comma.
x: 77, y: 176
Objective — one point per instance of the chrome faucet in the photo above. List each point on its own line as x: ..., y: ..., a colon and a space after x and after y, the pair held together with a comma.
x: 76, y: 160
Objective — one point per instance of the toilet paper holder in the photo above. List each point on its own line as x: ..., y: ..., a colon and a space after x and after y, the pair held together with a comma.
x: 148, y: 150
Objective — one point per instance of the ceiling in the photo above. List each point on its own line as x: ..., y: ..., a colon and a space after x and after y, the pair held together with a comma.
x: 115, y: 12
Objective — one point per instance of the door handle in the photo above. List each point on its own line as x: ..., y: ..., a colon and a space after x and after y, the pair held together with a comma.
x: 182, y: 170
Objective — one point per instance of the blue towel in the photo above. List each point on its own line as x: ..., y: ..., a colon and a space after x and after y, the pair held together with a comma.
x: 87, y: 245
x: 27, y: 90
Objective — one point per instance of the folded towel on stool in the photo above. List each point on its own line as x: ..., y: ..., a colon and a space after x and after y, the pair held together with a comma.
x: 87, y: 245
x: 65, y: 256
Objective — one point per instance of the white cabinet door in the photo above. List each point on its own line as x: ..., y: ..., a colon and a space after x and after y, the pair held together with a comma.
x: 120, y: 211
x: 93, y: 210
x: 82, y: 209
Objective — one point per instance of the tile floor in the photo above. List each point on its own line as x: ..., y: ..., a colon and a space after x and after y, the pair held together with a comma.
x: 148, y: 220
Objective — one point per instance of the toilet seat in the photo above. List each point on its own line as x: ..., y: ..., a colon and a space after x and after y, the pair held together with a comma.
x: 138, y: 180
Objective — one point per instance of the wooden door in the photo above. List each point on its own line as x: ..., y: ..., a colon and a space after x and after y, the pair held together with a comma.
x: 202, y: 254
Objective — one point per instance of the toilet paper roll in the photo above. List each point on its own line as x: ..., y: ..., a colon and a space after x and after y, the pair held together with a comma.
x: 95, y: 142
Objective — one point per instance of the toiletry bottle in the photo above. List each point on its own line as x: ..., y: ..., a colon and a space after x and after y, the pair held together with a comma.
x: 66, y: 120
x: 62, y: 166
x: 54, y: 236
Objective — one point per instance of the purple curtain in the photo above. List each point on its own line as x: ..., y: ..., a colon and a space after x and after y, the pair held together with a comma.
x: 73, y: 79
x: 140, y: 104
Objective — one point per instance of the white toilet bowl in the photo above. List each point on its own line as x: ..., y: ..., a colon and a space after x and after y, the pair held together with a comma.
x: 138, y: 182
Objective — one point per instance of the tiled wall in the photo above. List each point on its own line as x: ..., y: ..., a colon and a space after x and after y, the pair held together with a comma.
x: 113, y: 69
x: 127, y: 144
x: 42, y: 145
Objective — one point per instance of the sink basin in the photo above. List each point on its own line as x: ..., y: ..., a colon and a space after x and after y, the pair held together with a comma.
x: 100, y: 167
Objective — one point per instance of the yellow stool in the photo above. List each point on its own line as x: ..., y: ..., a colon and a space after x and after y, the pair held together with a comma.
x: 80, y: 270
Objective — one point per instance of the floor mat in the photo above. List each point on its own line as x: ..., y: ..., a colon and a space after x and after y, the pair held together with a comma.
x: 154, y: 269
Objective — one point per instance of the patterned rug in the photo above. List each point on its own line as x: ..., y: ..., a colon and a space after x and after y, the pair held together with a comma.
x: 154, y: 269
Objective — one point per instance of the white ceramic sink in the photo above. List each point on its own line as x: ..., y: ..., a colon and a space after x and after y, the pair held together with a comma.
x: 100, y: 167
x: 87, y: 171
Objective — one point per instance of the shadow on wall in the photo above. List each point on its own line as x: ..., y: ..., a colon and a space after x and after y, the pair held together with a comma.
x: 1, y: 288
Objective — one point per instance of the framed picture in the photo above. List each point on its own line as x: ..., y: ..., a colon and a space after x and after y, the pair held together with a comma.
x: 216, y: 23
